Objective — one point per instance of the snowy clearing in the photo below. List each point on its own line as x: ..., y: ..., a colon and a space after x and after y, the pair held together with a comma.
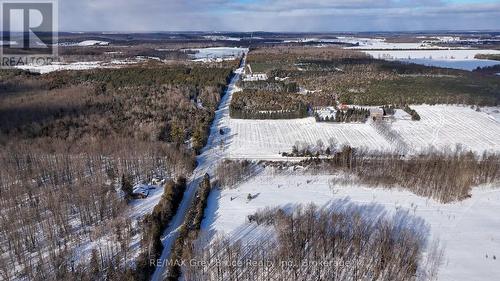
x: 431, y: 54
x: 266, y: 139
x: 137, y: 209
x: 93, y: 43
x: 366, y: 43
x: 441, y: 126
x: 221, y: 38
x: 381, y: 44
x: 86, y: 43
x: 446, y: 126
x: 218, y: 53
x: 467, y: 230
x: 8, y: 43
x: 43, y: 69
x: 458, y: 59
x: 142, y: 207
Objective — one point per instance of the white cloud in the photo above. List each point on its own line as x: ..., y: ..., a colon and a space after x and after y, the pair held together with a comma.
x: 276, y: 15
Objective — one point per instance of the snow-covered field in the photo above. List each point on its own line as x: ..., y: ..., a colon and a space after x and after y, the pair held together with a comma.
x: 266, y: 139
x: 218, y: 53
x: 221, y: 38
x: 43, y: 69
x: 440, y: 126
x: 445, y: 125
x: 85, y: 43
x: 370, y: 43
x: 458, y: 59
x: 424, y: 53
x: 467, y: 230
x: 8, y: 43
x: 365, y: 43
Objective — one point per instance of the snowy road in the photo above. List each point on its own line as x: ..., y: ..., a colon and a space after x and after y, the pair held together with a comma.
x: 210, y: 156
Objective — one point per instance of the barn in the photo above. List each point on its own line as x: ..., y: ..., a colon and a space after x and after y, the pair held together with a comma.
x: 376, y: 113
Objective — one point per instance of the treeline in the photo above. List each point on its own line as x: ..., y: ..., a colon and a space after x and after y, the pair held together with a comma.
x: 99, y: 53
x: 274, y: 86
x: 198, y: 76
x: 281, y: 57
x: 230, y: 173
x: 389, y: 110
x: 301, y: 112
x: 459, y: 88
x: 188, y: 233
x: 353, y: 114
x: 345, y: 242
x: 154, y: 225
x: 443, y: 176
x: 487, y: 56
x: 303, y: 149
x: 413, y: 113
x: 489, y: 70
x: 267, y: 105
x: 159, y: 103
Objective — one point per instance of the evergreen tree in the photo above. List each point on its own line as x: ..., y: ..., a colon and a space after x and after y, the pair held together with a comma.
x: 127, y: 186
x: 94, y: 265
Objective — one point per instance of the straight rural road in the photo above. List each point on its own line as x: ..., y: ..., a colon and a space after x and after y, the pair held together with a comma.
x: 207, y: 161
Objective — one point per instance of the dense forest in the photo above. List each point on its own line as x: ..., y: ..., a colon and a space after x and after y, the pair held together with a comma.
x: 251, y: 104
x: 305, y: 77
x: 69, y: 139
x: 352, y: 77
x: 172, y: 104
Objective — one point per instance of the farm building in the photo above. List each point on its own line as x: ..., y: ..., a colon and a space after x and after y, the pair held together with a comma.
x: 376, y: 113
x: 343, y: 107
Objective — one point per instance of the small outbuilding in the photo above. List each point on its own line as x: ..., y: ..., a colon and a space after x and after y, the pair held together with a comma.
x: 376, y: 113
x: 343, y: 107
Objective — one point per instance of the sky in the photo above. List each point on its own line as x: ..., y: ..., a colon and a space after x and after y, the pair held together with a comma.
x: 278, y: 15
